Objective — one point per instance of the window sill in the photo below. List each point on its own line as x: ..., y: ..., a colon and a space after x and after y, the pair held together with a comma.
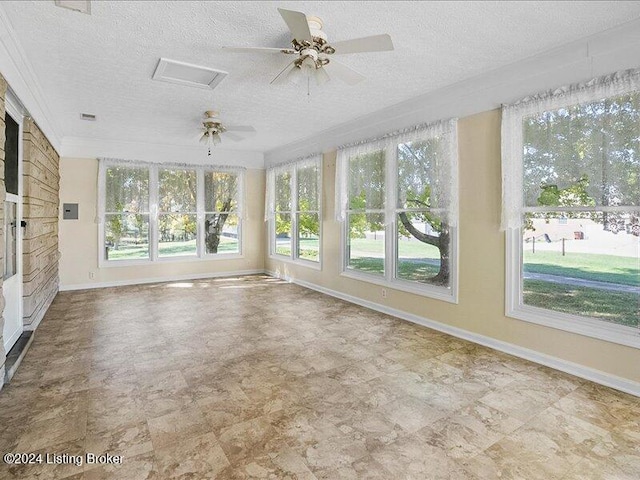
x: 598, y: 329
x: 430, y: 291
x: 302, y: 263
x: 177, y: 259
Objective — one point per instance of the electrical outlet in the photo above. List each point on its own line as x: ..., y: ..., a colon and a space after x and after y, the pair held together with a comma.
x: 384, y: 293
x: 92, y: 275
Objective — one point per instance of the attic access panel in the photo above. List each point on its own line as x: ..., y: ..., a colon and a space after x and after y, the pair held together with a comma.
x: 182, y: 73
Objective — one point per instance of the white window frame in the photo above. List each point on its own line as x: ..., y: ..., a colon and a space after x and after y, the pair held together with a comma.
x: 513, y: 177
x: 293, y: 182
x: 153, y: 213
x: 389, y: 278
x: 156, y: 223
x: 202, y: 213
x: 516, y: 308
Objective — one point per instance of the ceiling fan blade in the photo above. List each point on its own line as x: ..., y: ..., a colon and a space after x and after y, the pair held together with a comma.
x: 375, y: 43
x: 233, y: 136
x: 297, y: 23
x: 322, y: 76
x: 258, y: 50
x: 347, y: 74
x: 282, y: 76
x: 240, y: 128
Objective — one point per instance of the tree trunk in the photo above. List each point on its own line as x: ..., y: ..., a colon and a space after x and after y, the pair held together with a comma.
x: 213, y: 228
x: 440, y: 241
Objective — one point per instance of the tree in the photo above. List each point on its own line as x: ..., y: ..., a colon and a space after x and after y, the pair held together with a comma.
x: 582, y: 155
x: 116, y: 229
x: 220, y: 193
x: 213, y: 227
x: 418, y: 163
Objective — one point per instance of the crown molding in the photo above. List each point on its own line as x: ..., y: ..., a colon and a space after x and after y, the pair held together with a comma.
x: 606, y: 52
x: 19, y: 74
x: 82, y: 147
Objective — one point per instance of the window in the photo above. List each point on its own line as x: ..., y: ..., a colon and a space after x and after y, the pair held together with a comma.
x: 126, y: 213
x: 177, y: 212
x: 221, y: 221
x: 574, y: 228
x: 365, y: 215
x: 293, y: 210
x: 159, y: 212
x: 397, y: 198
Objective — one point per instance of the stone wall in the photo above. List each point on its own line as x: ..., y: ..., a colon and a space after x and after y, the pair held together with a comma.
x: 40, y: 187
x: 3, y: 90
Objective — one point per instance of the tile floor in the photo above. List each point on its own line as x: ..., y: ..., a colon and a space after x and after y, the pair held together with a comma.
x: 256, y: 378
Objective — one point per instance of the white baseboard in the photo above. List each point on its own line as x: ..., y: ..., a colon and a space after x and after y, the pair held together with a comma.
x: 597, y: 376
x: 172, y: 278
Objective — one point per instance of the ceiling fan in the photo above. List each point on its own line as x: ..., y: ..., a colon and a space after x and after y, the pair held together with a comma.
x: 213, y: 128
x: 314, y: 54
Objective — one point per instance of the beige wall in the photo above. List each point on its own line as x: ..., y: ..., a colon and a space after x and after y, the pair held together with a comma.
x: 79, y: 238
x: 40, y: 186
x: 481, y: 264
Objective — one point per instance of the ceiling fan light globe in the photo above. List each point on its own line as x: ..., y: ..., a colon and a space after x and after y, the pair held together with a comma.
x: 321, y: 76
x: 296, y: 75
x: 216, y: 139
x: 308, y: 63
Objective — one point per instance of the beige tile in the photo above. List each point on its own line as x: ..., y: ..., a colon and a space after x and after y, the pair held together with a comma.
x: 195, y: 457
x: 127, y: 440
x: 411, y: 414
x: 250, y: 439
x: 280, y: 382
x: 409, y: 459
x: 141, y: 467
x: 177, y: 426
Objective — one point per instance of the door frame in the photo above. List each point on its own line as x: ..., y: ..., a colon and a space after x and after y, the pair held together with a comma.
x: 15, y: 109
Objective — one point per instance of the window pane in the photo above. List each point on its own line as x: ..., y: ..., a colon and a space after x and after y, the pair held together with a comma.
x: 417, y: 162
x: 365, y: 247
x: 584, y: 154
x: 367, y: 181
x: 10, y: 238
x: 283, y: 192
x: 584, y: 264
x: 177, y: 191
x: 424, y: 247
x: 126, y: 236
x: 177, y: 234
x: 309, y: 236
x: 220, y: 191
x: 308, y: 180
x: 221, y: 233
x: 283, y: 234
x: 127, y: 189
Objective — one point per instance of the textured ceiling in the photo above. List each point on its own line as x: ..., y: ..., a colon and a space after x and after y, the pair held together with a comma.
x: 103, y: 63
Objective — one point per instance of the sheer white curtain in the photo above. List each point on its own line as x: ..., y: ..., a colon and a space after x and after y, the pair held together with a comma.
x: 512, y: 131
x: 105, y: 163
x: 274, y: 170
x: 444, y: 193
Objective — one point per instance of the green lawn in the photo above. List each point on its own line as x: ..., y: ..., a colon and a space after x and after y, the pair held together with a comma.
x: 168, y: 249
x: 408, y: 269
x: 413, y: 249
x: 616, y: 307
x: 602, y: 268
x: 309, y: 249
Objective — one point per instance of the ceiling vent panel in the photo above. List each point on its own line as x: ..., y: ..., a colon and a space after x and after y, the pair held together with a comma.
x: 82, y: 6
x: 187, y: 74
